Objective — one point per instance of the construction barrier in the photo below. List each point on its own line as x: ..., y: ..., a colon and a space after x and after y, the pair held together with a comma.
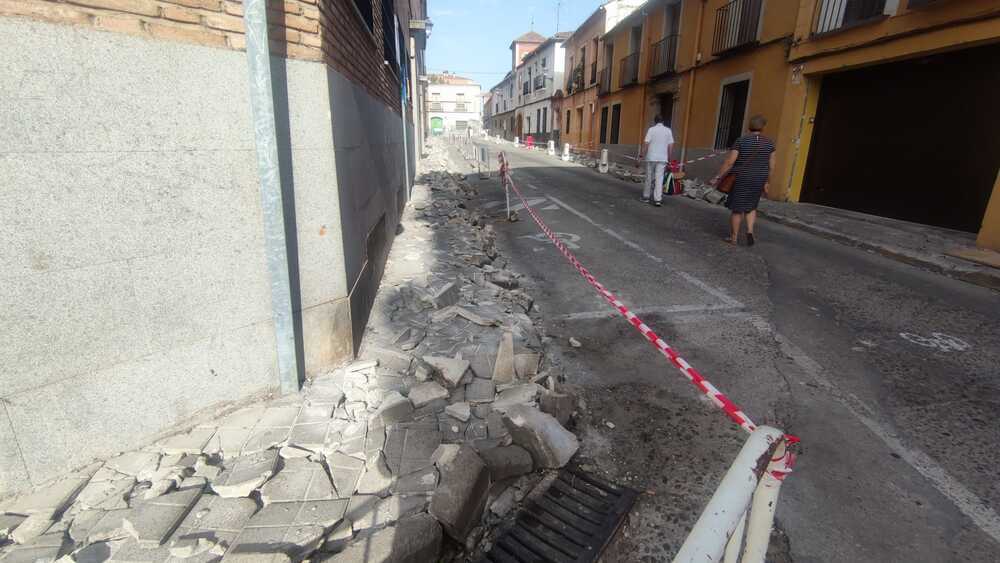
x: 743, y: 505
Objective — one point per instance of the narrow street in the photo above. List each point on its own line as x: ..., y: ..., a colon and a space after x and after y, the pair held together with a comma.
x: 887, y: 373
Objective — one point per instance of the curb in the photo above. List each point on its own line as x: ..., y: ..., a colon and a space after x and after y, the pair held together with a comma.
x: 980, y: 278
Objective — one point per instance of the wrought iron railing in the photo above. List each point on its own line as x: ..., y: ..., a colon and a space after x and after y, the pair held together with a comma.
x: 629, y: 70
x: 736, y: 25
x: 663, y: 58
x: 604, y: 84
x: 539, y: 82
x: 836, y: 14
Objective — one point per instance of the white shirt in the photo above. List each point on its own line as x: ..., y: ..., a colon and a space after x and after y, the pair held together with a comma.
x: 659, y: 137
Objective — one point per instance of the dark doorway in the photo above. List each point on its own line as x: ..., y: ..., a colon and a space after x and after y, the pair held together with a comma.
x: 666, y: 109
x: 914, y: 140
x: 604, y: 125
x: 731, y: 113
x: 616, y: 119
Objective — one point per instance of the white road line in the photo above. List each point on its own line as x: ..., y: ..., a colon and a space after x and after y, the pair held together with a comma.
x: 965, y: 500
x: 718, y: 293
x: 663, y: 309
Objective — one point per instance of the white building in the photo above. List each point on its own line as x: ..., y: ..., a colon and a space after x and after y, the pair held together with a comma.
x: 536, y: 80
x: 503, y: 102
x: 455, y: 104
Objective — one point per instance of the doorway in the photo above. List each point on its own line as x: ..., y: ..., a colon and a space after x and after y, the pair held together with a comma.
x: 665, y: 103
x: 604, y: 125
x: 616, y: 120
x: 732, y: 111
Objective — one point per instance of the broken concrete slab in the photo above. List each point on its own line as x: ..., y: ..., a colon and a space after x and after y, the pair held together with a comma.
x: 503, y: 369
x: 446, y: 295
x: 391, y: 360
x: 495, y: 426
x: 265, y: 438
x: 444, y: 453
x: 246, y: 474
x: 549, y: 444
x: 384, y: 511
x: 507, y: 461
x: 345, y: 471
x: 524, y: 394
x: 461, y: 493
x: 151, y: 523
x: 412, y: 539
x: 311, y: 436
x: 138, y: 464
x: 291, y: 452
x: 299, y: 480
x: 394, y: 408
x: 193, y: 442
x: 213, y: 512
x: 559, y: 405
x: 461, y: 411
x: 504, y: 503
x: 410, y: 338
x: 476, y: 430
x: 451, y: 369
x: 526, y: 365
x: 424, y: 393
x: 106, y: 495
x: 480, y: 391
x: 51, y: 500
x: 339, y: 538
x: 422, y: 481
x: 32, y: 528
x: 315, y: 413
x: 377, y: 478
x: 275, y: 544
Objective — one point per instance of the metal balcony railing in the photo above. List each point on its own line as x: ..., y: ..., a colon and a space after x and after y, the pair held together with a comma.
x: 837, y: 14
x: 604, y: 84
x: 629, y: 71
x: 663, y: 58
x: 736, y: 25
x: 593, y: 72
x: 539, y: 82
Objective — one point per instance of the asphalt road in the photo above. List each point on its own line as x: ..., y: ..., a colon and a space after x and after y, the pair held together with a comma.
x: 890, y: 375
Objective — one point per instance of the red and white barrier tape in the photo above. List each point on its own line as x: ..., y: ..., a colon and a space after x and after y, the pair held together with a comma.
x: 717, y: 397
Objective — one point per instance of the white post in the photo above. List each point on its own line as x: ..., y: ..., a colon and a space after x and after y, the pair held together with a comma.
x: 565, y: 154
x: 710, y: 535
x: 552, y: 148
x: 517, y: 142
x: 765, y: 501
x: 603, y: 166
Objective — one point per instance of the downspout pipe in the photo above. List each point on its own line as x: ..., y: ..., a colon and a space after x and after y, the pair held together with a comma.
x: 693, y: 72
x: 272, y: 207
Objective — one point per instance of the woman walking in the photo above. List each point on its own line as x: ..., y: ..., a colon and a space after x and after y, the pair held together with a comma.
x: 751, y: 161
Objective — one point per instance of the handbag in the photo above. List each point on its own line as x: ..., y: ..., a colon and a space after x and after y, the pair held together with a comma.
x: 726, y: 183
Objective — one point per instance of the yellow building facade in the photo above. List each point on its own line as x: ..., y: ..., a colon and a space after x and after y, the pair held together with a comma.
x: 579, y: 103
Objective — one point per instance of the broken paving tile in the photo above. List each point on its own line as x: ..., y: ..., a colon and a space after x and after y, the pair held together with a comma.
x: 138, y: 464
x: 230, y: 441
x: 480, y: 391
x: 452, y: 430
x: 151, y: 523
x: 461, y: 411
x: 315, y: 413
x: 345, y: 471
x: 339, y: 538
x: 452, y: 370
x: 106, y: 495
x: 476, y: 430
x: 213, y: 512
x: 414, y: 538
x: 32, y: 528
x: 246, y: 474
x: 193, y: 442
x: 52, y: 499
x: 461, y: 493
x: 424, y: 393
x: 243, y: 418
x: 394, y: 408
x: 311, y: 436
x: 445, y: 296
x: 299, y: 480
x: 386, y: 511
x: 264, y: 439
x: 549, y: 444
x: 377, y: 477
x: 276, y: 417
x: 418, y: 482
x: 503, y: 369
x: 526, y: 365
x: 410, y: 338
x: 525, y: 394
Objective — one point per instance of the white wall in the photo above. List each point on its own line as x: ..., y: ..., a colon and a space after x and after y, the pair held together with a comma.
x: 449, y: 96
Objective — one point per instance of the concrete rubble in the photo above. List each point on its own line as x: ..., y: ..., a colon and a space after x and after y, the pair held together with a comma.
x: 411, y: 453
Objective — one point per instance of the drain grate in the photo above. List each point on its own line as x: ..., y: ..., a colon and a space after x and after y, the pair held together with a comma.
x: 572, y: 522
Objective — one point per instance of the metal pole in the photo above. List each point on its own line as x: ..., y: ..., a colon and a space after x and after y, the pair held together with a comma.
x: 710, y: 535
x: 266, y: 140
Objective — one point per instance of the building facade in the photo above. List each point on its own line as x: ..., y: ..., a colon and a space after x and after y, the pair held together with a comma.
x: 181, y: 281
x: 538, y: 77
x: 454, y: 105
x: 503, y: 102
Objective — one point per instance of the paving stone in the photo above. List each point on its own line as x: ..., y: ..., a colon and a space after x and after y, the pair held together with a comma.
x: 452, y: 370
x: 107, y: 495
x: 228, y: 442
x: 315, y: 413
x: 452, y: 430
x: 246, y: 474
x: 417, y: 448
x: 275, y: 544
x: 524, y: 394
x: 460, y: 411
x: 480, y: 391
x: 526, y: 365
x: 324, y: 394
x: 138, y: 464
x: 310, y: 436
x: 377, y: 478
x: 131, y: 551
x: 345, y: 471
x: 265, y: 438
x: 446, y: 295
x: 339, y: 538
x: 424, y: 393
x: 549, y: 444
x: 412, y: 539
x: 503, y: 369
x: 93, y: 553
x: 559, y: 405
x: 391, y: 359
x: 33, y: 554
x: 422, y: 370
x: 495, y: 428
x: 111, y: 526
x: 213, y: 512
x: 52, y: 499
x: 461, y: 493
x: 278, y: 417
x: 476, y: 430
x: 423, y: 481
x: 482, y: 358
x: 385, y: 511
x: 352, y: 439
x: 444, y: 453
x: 504, y: 503
x: 410, y: 338
x: 192, y: 442
x: 394, y: 408
x: 481, y: 411
x: 291, y: 452
x: 243, y: 418
x: 10, y: 521
x: 32, y: 528
x: 374, y: 441
x: 299, y: 480
x: 506, y: 462
x: 430, y: 410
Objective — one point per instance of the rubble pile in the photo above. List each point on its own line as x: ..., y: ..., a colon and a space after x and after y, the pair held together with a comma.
x: 411, y: 453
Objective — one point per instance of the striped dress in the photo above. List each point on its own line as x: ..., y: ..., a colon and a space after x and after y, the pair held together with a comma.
x: 752, y: 169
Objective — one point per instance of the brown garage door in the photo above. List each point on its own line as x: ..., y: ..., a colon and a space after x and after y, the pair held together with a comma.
x: 915, y: 140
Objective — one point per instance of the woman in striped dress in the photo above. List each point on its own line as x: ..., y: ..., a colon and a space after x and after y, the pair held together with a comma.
x: 751, y: 160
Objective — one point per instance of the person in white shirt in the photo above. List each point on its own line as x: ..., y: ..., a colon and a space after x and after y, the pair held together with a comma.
x: 656, y: 150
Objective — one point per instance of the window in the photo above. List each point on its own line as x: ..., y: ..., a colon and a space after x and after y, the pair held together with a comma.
x: 436, y: 106
x: 461, y: 125
x: 568, y: 114
x: 528, y: 130
x: 364, y: 8
x: 732, y: 108
x: 545, y: 120
x: 616, y: 119
x: 460, y: 107
x: 538, y: 120
x: 389, y: 34
x: 543, y: 62
x: 835, y: 14
x: 736, y: 25
x: 604, y: 125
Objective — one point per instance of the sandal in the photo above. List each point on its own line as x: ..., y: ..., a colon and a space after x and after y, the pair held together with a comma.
x: 750, y: 240
x: 731, y: 241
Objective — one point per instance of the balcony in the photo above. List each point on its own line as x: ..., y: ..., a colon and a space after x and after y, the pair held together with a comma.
x: 436, y: 106
x: 604, y: 85
x: 461, y: 108
x: 629, y: 70
x: 539, y: 82
x: 663, y: 58
x: 833, y: 15
x: 593, y: 72
x: 736, y: 25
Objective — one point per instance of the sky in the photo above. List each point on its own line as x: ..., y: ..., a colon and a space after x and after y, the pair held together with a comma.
x: 471, y: 38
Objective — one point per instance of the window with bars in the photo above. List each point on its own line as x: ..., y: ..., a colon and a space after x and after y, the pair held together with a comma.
x: 731, y: 113
x: 364, y: 8
x: 389, y: 34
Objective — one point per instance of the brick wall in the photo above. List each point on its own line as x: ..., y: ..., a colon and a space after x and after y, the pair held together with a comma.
x: 316, y: 30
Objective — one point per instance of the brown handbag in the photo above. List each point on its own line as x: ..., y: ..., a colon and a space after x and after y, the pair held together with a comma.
x: 726, y: 183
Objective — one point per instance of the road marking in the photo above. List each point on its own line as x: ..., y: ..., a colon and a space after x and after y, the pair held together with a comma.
x: 569, y: 239
x: 939, y: 340
x: 965, y: 500
x: 654, y: 310
x: 534, y: 187
x: 718, y: 293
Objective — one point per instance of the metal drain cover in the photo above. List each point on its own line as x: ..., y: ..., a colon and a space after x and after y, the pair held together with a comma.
x: 572, y: 522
